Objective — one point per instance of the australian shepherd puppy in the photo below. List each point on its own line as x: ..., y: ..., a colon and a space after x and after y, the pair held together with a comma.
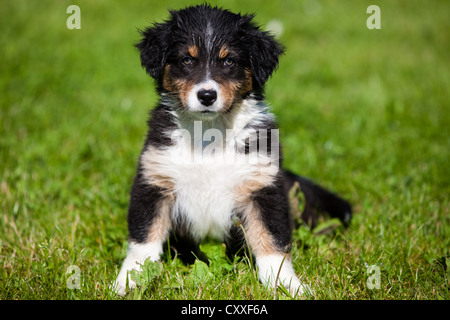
x: 211, y: 162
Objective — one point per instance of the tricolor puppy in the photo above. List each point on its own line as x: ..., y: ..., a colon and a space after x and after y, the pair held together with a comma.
x: 211, y: 162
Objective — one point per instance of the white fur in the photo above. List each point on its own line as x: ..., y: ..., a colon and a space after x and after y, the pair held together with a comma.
x: 136, y: 255
x: 269, y: 268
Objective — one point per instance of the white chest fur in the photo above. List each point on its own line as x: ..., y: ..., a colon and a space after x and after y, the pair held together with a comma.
x: 205, y: 174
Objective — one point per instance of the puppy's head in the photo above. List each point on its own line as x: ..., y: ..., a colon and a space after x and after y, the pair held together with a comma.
x: 208, y: 58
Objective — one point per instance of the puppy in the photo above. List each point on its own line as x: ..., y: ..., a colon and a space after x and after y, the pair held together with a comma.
x: 211, y: 165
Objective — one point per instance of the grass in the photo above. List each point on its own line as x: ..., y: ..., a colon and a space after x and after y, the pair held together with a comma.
x: 364, y: 112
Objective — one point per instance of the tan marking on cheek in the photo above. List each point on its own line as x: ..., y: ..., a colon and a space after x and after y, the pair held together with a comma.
x: 167, y: 80
x: 247, y: 84
x: 223, y: 53
x: 193, y: 51
x: 229, y: 91
x: 184, y: 88
x: 176, y: 86
x: 232, y: 91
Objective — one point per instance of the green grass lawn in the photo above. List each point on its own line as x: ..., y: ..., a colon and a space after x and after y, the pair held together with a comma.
x: 363, y: 112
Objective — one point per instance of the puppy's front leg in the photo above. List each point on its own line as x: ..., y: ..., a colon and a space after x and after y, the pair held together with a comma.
x: 149, y: 224
x: 268, y: 233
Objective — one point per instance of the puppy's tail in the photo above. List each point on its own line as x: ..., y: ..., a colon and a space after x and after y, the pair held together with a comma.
x: 318, y: 200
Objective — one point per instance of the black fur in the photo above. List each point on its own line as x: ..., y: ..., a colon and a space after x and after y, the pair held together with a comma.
x: 318, y: 200
x: 271, y: 200
x: 141, y: 212
x: 160, y: 121
x: 253, y: 48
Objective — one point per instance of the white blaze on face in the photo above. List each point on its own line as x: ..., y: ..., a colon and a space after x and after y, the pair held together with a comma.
x: 194, y: 104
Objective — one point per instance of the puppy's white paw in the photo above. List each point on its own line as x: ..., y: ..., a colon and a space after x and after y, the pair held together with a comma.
x: 136, y: 255
x: 269, y: 268
x: 119, y: 286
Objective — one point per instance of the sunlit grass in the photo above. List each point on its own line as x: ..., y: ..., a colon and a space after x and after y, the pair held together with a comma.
x: 364, y: 112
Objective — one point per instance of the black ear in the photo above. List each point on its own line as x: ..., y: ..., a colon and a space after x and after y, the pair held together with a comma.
x: 153, y: 47
x: 264, y: 54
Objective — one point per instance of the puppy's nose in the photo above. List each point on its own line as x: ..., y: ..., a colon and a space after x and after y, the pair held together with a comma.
x: 207, y: 97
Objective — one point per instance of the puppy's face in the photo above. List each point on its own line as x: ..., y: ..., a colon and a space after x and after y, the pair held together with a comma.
x: 207, y: 79
x: 207, y: 59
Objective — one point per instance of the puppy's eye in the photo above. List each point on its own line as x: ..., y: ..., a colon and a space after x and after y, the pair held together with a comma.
x: 187, y: 60
x: 228, y: 62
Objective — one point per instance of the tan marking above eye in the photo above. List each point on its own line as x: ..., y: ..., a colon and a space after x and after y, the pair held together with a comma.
x: 223, y: 53
x: 193, y: 51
